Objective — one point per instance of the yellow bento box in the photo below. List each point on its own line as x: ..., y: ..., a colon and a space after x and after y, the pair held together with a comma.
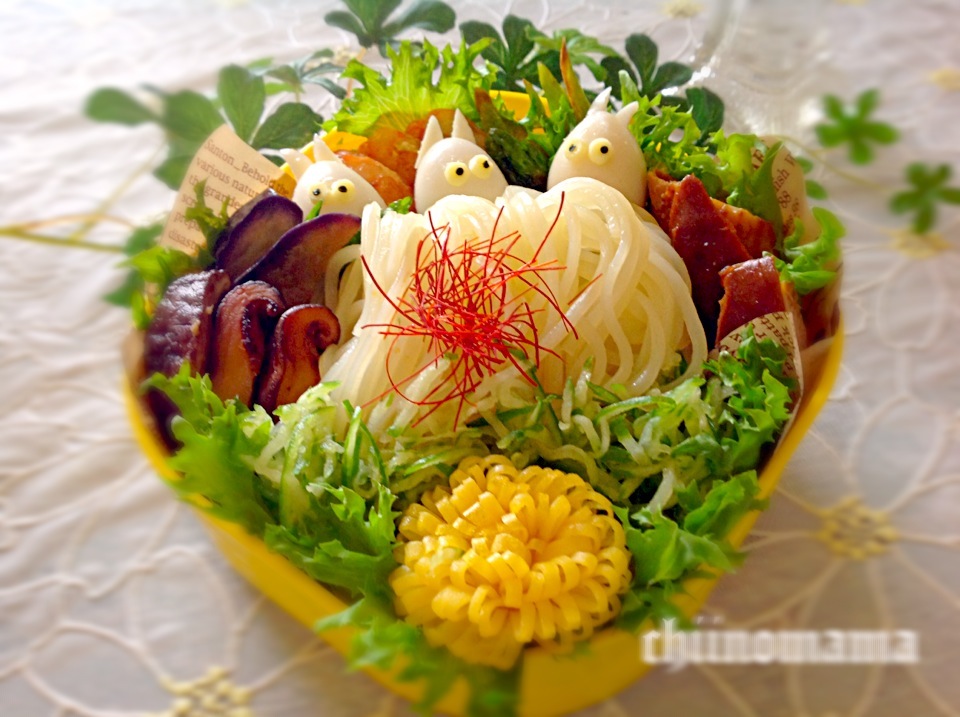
x: 550, y: 684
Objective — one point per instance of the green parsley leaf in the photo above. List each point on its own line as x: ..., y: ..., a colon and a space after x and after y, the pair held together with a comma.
x: 707, y: 109
x: 313, y: 69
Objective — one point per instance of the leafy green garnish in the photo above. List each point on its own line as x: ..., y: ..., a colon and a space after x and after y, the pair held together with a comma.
x: 855, y: 126
x: 370, y: 20
x: 812, y: 266
x: 515, y: 58
x: 666, y: 552
x: 188, y: 118
x: 652, y: 80
x: 132, y: 291
x: 153, y: 267
x: 646, y: 79
x: 422, y: 79
x: 929, y: 188
x: 631, y: 448
x: 672, y: 141
x: 512, y: 57
x: 401, y: 206
x: 580, y: 48
x: 210, y: 223
x: 382, y: 638
x: 289, y: 482
x: 707, y: 110
x: 753, y: 187
x: 213, y: 463
x: 294, y: 76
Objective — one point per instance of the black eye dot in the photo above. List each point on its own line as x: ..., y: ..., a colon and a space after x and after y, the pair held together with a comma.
x: 459, y: 171
x: 486, y: 164
x: 573, y: 148
x: 604, y: 149
x: 342, y: 189
x: 316, y: 192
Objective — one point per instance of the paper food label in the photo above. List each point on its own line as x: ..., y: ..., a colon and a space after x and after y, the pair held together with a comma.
x: 791, y: 188
x: 779, y: 327
x: 234, y: 172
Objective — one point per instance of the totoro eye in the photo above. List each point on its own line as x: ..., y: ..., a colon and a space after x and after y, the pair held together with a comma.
x: 481, y: 166
x: 600, y: 151
x: 456, y: 173
x: 316, y: 192
x: 573, y: 148
x: 342, y: 189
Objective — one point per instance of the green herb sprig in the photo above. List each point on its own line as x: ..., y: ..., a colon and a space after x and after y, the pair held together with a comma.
x: 650, y: 79
x: 188, y: 117
x: 374, y: 21
x: 319, y: 68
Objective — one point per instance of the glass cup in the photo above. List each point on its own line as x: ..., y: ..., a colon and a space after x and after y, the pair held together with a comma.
x: 765, y: 59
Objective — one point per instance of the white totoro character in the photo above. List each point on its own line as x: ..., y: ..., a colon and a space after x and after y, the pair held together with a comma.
x: 455, y: 165
x: 329, y: 180
x: 603, y: 148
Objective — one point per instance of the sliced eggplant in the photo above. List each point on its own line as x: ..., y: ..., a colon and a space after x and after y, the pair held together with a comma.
x: 297, y: 263
x: 244, y: 321
x: 253, y: 230
x: 292, y: 367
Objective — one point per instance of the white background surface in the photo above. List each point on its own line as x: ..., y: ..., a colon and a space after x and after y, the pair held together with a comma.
x: 112, y: 600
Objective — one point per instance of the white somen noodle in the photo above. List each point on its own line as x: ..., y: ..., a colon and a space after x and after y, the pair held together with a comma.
x: 623, y: 291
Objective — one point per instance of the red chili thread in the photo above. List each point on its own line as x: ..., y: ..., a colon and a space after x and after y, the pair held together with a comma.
x: 459, y: 300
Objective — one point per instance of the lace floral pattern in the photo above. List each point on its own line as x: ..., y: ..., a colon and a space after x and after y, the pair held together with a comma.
x: 113, y: 601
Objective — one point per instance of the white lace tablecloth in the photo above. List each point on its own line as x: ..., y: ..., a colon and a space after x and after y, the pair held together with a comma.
x: 113, y: 601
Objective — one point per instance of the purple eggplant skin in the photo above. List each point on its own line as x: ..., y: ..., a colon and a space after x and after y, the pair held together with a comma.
x: 253, y: 230
x: 297, y: 263
x: 181, y: 331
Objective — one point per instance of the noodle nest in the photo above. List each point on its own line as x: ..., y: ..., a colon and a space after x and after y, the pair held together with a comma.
x: 611, y: 293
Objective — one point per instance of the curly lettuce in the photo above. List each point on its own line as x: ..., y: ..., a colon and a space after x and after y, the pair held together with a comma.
x: 320, y: 489
x: 423, y: 78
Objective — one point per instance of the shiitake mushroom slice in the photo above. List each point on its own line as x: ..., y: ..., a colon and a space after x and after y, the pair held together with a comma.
x: 292, y: 364
x: 243, y: 324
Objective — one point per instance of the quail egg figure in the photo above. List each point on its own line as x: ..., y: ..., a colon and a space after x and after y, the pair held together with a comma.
x: 454, y: 165
x: 328, y: 180
x: 602, y: 147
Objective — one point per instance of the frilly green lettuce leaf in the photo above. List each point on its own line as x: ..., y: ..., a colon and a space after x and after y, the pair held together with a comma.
x: 422, y: 79
x: 813, y: 265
